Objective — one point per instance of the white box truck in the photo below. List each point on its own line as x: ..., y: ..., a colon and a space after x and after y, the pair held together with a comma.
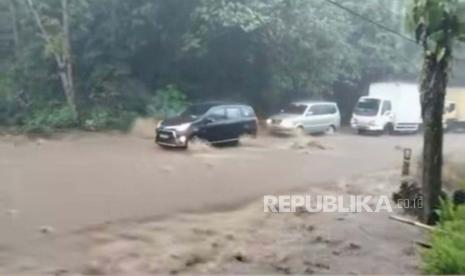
x: 389, y: 107
x: 455, y: 108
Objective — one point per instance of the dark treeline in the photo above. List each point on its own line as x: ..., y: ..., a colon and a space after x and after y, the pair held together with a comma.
x: 99, y: 63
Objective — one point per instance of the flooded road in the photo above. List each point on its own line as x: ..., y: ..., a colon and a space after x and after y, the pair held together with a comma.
x: 82, y: 180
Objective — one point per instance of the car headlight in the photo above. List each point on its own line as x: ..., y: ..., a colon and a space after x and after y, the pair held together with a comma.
x: 287, y: 124
x: 269, y: 121
x: 182, y: 127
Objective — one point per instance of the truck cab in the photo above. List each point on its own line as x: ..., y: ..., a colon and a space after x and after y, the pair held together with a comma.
x: 373, y: 114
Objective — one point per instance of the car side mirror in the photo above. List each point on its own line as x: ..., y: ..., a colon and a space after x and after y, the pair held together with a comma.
x: 209, y: 120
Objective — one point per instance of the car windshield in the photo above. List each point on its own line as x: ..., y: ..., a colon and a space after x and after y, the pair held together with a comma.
x: 294, y: 109
x: 367, y: 107
x: 196, y: 110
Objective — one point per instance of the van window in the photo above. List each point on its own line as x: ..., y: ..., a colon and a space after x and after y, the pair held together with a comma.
x: 233, y: 113
x: 334, y: 109
x: 330, y: 109
x: 298, y: 109
x: 318, y: 109
x: 386, y: 107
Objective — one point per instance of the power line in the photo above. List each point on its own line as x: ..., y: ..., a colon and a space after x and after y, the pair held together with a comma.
x: 379, y: 25
x: 371, y: 21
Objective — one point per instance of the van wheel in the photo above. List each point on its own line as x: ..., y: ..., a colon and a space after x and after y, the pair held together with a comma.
x: 331, y: 130
x: 388, y: 129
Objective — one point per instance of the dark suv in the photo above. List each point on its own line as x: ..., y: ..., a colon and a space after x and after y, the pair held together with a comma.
x: 214, y: 122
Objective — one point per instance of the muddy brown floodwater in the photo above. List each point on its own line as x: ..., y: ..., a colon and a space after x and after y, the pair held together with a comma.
x: 63, y: 200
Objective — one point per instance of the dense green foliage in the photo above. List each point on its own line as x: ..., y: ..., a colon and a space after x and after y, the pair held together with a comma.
x: 126, y: 53
x: 167, y: 102
x: 448, y: 243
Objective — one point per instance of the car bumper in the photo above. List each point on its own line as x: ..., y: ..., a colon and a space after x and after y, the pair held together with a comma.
x: 366, y: 127
x: 407, y: 127
x: 170, y: 138
x: 281, y: 129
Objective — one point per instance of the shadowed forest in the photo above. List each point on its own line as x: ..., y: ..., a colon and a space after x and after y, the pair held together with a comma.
x: 99, y: 64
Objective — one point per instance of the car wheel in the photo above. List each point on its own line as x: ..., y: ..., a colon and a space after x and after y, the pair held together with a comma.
x: 235, y: 143
x: 196, y: 140
x: 246, y: 137
x: 162, y: 146
x: 331, y: 130
x: 300, y: 131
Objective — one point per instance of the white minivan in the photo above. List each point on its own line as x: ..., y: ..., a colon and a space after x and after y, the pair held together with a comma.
x: 306, y: 117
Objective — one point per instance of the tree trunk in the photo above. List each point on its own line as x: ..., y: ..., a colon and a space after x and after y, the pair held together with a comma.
x: 433, y: 91
x: 68, y: 85
x: 63, y: 57
x: 114, y: 20
x: 14, y: 27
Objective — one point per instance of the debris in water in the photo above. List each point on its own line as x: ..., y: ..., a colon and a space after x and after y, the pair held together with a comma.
x: 409, y: 194
x: 353, y: 246
x: 47, y: 229
x: 240, y: 257
x: 40, y: 142
x: 305, y: 144
x: 12, y: 213
x: 310, y: 228
x: 397, y: 147
x: 93, y: 268
x: 167, y: 169
x: 194, y: 260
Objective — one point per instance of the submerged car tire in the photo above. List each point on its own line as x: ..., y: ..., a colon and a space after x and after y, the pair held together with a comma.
x: 300, y: 131
x: 197, y: 140
x: 234, y: 143
x: 331, y: 130
x: 245, y: 137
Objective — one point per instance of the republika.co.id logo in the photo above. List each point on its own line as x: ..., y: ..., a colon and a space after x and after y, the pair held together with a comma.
x: 334, y: 204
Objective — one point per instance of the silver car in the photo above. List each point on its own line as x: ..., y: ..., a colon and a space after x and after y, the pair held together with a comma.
x: 306, y: 117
